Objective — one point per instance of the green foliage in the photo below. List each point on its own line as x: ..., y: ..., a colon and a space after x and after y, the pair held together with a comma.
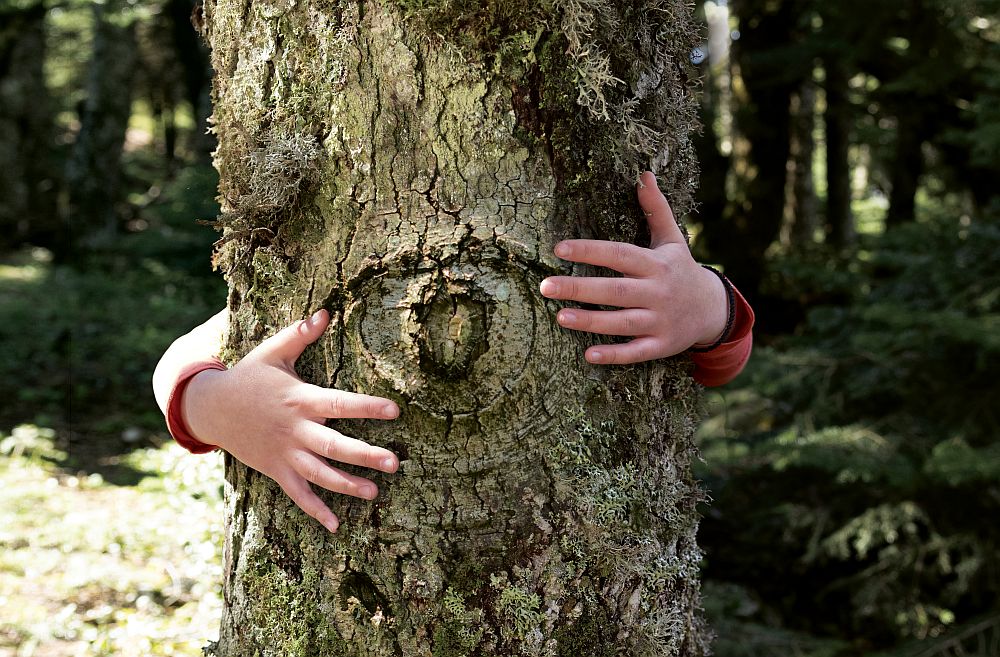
x: 33, y: 443
x: 863, y: 452
x: 731, y: 609
x: 81, y: 342
x: 955, y: 463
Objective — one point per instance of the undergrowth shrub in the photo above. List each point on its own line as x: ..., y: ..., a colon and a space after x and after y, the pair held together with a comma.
x: 856, y: 467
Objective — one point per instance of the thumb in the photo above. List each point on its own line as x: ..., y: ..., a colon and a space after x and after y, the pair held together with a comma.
x: 663, y: 227
x: 288, y: 344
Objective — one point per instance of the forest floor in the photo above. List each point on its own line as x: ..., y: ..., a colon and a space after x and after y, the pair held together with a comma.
x: 90, y: 568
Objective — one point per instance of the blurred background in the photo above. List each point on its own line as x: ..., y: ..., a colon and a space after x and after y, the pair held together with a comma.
x: 849, y: 165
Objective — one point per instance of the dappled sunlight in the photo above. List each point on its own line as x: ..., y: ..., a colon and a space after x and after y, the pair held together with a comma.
x: 92, y: 569
x: 26, y: 266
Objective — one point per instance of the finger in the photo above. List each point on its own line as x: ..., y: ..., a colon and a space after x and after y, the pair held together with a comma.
x: 321, y: 473
x: 636, y: 351
x: 299, y: 491
x: 332, y: 403
x: 334, y: 445
x: 603, y: 291
x: 634, y: 321
x: 288, y: 344
x: 626, y: 258
x: 663, y: 228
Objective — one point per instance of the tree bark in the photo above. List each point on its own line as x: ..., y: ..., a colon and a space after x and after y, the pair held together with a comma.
x: 27, y: 209
x: 801, y: 221
x: 763, y: 85
x: 837, y: 120
x: 907, y: 166
x: 93, y: 174
x: 409, y: 167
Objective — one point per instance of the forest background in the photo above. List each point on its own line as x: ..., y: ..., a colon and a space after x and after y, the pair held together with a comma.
x: 849, y: 165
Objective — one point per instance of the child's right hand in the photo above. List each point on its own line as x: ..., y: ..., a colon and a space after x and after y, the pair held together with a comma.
x: 263, y: 414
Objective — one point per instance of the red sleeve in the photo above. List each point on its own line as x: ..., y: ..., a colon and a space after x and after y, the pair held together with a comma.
x: 175, y: 409
x: 721, y: 365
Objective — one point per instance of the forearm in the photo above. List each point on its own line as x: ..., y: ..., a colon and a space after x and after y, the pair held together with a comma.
x: 204, y: 342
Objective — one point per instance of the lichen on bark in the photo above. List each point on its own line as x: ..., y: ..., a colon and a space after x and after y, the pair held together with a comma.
x: 542, y: 504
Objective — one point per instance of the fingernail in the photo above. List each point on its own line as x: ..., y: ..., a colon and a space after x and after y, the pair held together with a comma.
x: 596, y: 356
x: 562, y: 250
x: 390, y: 411
x: 567, y: 317
x: 547, y: 288
x: 316, y: 316
x: 332, y: 526
x: 388, y: 464
x: 368, y: 492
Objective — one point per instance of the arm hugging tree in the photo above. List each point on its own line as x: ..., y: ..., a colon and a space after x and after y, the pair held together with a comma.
x: 408, y: 166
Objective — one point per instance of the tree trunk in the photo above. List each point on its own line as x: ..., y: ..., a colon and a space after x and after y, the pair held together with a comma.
x: 192, y: 55
x: 93, y: 175
x: 837, y: 120
x: 801, y: 221
x: 409, y: 167
x: 715, y: 118
x: 763, y: 84
x: 906, y: 169
x: 27, y: 211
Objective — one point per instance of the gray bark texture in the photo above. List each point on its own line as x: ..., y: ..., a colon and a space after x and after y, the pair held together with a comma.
x: 409, y: 166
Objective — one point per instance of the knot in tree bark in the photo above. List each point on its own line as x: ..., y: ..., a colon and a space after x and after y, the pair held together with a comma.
x: 453, y: 335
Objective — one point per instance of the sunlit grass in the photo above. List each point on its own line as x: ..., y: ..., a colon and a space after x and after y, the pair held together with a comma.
x: 87, y: 568
x: 25, y: 266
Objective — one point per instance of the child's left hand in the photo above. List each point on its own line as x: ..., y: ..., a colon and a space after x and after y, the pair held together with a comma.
x: 670, y: 302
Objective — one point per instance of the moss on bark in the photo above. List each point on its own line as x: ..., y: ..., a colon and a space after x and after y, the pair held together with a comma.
x: 540, y: 501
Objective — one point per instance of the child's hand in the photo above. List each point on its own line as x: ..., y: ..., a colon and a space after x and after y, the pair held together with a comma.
x: 671, y: 303
x: 264, y: 415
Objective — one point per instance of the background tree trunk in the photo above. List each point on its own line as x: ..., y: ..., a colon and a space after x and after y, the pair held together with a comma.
x: 837, y: 127
x: 801, y: 220
x: 26, y: 186
x: 93, y: 175
x: 907, y: 168
x: 763, y: 85
x: 409, y: 167
x: 192, y: 55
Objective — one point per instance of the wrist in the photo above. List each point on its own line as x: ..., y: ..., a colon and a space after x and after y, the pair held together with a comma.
x: 197, y: 404
x: 717, y: 310
x: 179, y: 406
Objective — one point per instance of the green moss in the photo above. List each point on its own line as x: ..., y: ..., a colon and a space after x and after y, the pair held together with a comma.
x: 448, y: 642
x: 479, y: 29
x: 462, y: 631
x: 592, y: 634
x: 282, y: 610
x: 519, y: 610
